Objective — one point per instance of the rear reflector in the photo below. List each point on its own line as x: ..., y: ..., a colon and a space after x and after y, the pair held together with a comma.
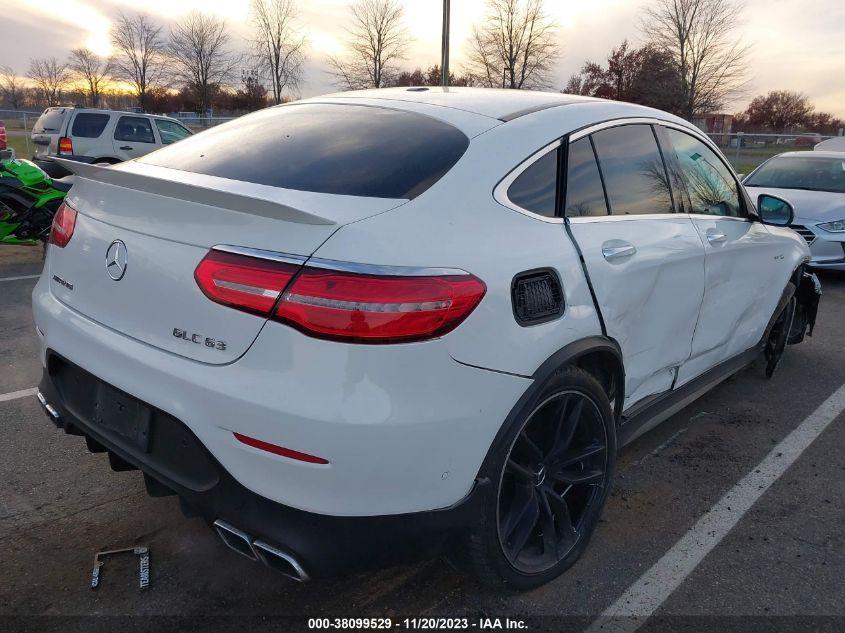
x: 362, y: 308
x: 66, y: 146
x: 246, y: 283
x: 279, y: 450
x: 64, y: 221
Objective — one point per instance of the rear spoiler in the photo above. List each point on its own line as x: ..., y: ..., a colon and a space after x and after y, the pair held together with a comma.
x: 239, y: 202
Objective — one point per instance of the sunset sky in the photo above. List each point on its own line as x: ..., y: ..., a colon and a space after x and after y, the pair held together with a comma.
x: 798, y: 44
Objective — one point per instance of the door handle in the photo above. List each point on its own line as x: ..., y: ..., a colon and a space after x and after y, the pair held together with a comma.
x: 716, y: 238
x: 618, y: 251
x: 127, y: 147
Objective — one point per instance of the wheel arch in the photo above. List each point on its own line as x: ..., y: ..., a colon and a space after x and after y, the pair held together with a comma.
x: 600, y: 356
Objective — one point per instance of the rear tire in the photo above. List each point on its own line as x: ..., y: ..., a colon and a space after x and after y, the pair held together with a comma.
x: 550, y: 479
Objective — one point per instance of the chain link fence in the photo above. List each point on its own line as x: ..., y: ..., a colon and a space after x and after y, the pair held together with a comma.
x: 19, y: 128
x: 747, y: 151
x: 744, y: 151
x: 19, y: 125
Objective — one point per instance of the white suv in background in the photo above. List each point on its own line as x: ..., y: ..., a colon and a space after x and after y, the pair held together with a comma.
x: 407, y: 317
x: 100, y: 136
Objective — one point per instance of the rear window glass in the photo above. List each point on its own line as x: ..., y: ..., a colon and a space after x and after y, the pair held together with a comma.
x: 325, y: 148
x: 50, y: 122
x: 535, y: 189
x: 584, y: 191
x: 89, y: 125
x: 633, y: 170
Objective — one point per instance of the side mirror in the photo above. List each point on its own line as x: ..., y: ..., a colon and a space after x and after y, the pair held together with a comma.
x: 774, y: 211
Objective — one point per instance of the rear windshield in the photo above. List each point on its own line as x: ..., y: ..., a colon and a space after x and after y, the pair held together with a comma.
x: 326, y: 148
x: 89, y: 124
x: 816, y: 173
x: 50, y: 121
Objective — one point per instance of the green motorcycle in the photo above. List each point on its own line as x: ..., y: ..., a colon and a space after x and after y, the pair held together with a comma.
x: 28, y: 200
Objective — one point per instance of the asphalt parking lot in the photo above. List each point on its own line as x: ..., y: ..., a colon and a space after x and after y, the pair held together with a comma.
x: 771, y: 556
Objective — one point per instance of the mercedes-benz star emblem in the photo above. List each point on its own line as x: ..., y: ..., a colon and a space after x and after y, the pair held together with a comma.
x: 116, y: 260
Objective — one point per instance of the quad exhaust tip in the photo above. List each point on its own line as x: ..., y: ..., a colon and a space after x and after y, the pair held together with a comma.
x: 48, y: 407
x: 271, y: 556
x: 232, y: 537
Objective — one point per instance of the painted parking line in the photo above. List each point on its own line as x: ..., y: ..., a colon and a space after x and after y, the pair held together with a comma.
x: 14, y: 395
x: 19, y: 278
x: 652, y: 589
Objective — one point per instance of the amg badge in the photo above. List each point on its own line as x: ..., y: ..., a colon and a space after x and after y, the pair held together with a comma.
x: 199, y: 339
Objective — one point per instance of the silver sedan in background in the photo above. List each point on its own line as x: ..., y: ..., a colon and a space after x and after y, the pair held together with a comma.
x: 814, y: 182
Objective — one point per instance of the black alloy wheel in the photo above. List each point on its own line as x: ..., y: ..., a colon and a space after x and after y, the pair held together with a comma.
x: 778, y: 337
x: 554, y: 479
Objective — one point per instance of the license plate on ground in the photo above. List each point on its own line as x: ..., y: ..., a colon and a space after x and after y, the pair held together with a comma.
x: 118, y: 413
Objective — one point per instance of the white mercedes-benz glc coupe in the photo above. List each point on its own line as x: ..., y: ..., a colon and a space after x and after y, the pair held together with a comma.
x: 382, y: 323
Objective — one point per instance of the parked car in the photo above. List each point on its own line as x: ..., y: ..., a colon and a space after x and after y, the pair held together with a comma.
x: 406, y: 318
x: 100, y: 136
x: 835, y: 144
x: 807, y: 140
x: 814, y: 182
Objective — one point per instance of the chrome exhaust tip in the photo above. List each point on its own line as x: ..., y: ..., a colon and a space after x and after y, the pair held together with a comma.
x: 235, y: 539
x: 48, y: 407
x: 280, y: 561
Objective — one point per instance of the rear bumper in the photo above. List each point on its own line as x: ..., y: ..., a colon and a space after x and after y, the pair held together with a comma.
x: 177, y: 462
x: 405, y: 428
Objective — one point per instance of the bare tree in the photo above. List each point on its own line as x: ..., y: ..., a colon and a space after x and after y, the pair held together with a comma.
x: 699, y: 35
x: 377, y: 40
x: 50, y: 77
x: 278, y: 46
x: 200, y: 56
x: 139, y: 53
x: 515, y: 47
x: 11, y: 87
x: 92, y: 70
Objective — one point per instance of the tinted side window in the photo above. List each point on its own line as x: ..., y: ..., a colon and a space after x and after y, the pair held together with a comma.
x: 343, y: 149
x: 584, y: 191
x: 134, y: 129
x: 711, y: 186
x: 536, y: 187
x: 89, y: 125
x: 171, y: 132
x: 633, y: 171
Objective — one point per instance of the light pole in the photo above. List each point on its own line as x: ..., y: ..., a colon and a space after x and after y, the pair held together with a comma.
x: 444, y: 46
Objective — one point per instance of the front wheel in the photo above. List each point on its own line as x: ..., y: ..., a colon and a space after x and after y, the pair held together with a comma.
x: 552, y: 477
x: 778, y: 337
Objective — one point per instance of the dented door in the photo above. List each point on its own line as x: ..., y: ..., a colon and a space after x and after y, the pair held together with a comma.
x: 649, y: 294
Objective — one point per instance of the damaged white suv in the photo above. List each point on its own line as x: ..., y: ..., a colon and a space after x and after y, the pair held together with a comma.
x: 408, y: 317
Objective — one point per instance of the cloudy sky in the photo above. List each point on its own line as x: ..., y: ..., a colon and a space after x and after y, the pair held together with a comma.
x: 798, y: 44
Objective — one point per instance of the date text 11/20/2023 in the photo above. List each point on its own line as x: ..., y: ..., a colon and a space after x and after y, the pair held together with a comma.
x: 418, y: 624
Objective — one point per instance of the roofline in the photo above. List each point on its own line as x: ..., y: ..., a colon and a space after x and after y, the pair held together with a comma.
x: 543, y: 106
x: 510, y: 116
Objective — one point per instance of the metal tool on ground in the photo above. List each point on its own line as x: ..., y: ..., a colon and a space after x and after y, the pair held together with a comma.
x: 143, y: 554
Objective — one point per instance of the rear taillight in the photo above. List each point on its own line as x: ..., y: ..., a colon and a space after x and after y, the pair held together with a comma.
x: 246, y: 283
x: 364, y: 308
x: 64, y: 221
x: 341, y: 305
x: 65, y: 146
